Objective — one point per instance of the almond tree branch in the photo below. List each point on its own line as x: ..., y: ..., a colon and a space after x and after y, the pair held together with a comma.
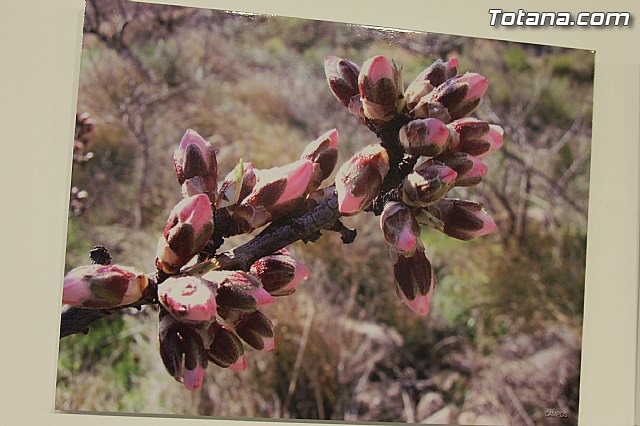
x: 304, y: 227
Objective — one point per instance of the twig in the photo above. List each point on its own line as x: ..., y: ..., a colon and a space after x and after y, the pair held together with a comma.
x: 513, y: 398
x: 552, y: 183
x: 299, y: 357
x: 409, y: 410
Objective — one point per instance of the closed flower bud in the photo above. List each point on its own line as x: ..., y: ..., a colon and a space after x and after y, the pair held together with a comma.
x: 462, y: 219
x: 433, y: 76
x: 239, y: 290
x: 460, y: 95
x: 427, y: 184
x: 428, y: 109
x: 470, y: 170
x: 275, y: 271
x: 474, y: 175
x: 196, y: 165
x: 380, y: 86
x: 277, y: 192
x: 323, y: 152
x: 342, y: 76
x: 103, y: 286
x: 414, y: 280
x: 401, y: 230
x: 236, y: 185
x: 470, y: 135
x: 495, y: 137
x: 301, y: 274
x: 188, y: 228
x: 358, y: 180
x: 257, y: 330
x: 424, y: 137
x: 226, y: 348
x: 280, y: 273
x: 182, y: 352
x: 188, y: 299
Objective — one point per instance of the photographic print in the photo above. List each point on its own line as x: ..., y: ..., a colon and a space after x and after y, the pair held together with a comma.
x: 283, y: 218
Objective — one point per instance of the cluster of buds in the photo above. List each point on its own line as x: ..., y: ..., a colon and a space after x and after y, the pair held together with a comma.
x: 436, y: 134
x: 254, y: 198
x: 211, y: 317
x: 429, y: 146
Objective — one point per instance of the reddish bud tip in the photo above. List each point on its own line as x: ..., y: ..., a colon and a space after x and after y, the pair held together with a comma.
x: 240, y: 364
x: 192, y: 379
x: 377, y: 68
x: 358, y: 180
x: 495, y: 137
x: 478, y: 85
x: 401, y: 229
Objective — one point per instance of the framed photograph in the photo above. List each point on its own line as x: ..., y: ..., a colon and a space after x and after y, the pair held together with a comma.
x: 274, y: 215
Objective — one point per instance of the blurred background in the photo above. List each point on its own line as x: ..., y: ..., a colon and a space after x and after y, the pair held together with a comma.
x: 501, y: 344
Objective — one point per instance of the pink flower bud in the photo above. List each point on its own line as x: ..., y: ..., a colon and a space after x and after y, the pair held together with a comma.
x: 380, y: 86
x: 426, y: 108
x: 297, y: 176
x: 301, y: 274
x: 474, y: 175
x: 188, y: 299
x: 463, y: 219
x: 424, y: 137
x: 103, y: 286
x: 358, y: 181
x: 323, y: 152
x: 477, y: 83
x: 471, y: 136
x: 495, y: 137
x: 182, y: 351
x: 470, y: 170
x: 236, y: 185
x: 433, y: 76
x: 235, y: 287
x: 460, y: 95
x: 226, y: 348
x: 427, y: 184
x: 488, y: 226
x: 280, y: 273
x: 188, y: 229
x: 415, y: 280
x: 196, y: 165
x: 278, y: 191
x: 400, y: 228
x: 451, y: 67
x: 256, y: 330
x: 342, y: 76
